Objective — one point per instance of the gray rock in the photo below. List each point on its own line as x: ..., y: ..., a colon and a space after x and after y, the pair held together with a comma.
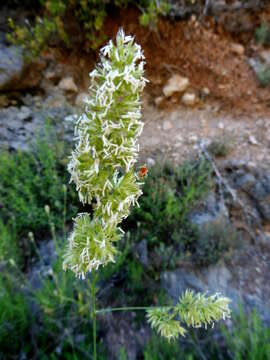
x: 11, y: 65
x: 43, y: 267
x: 260, y: 192
x: 15, y: 74
x: 175, y: 84
x: 211, y: 211
x: 142, y: 252
x: 245, y: 181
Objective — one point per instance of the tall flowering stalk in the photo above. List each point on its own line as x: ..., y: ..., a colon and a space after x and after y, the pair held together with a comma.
x: 102, y: 167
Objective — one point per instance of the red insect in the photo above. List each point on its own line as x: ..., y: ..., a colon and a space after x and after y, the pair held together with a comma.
x: 143, y: 172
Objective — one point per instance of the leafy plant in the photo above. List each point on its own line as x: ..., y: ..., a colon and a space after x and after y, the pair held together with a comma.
x: 89, y: 17
x: 263, y: 75
x: 15, y: 315
x: 248, y: 338
x: 160, y: 349
x: 221, y: 146
x: 169, y: 195
x: 262, y: 34
x: 214, y: 240
x: 9, y: 249
x: 151, y: 12
x: 37, y: 180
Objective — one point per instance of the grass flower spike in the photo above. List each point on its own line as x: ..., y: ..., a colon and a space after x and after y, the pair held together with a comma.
x: 192, y: 309
x: 102, y: 164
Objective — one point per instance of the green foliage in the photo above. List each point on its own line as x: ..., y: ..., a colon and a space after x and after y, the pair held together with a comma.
x: 262, y: 34
x: 263, y: 75
x: 248, y: 338
x: 14, y: 315
x: 32, y: 39
x: 151, y: 12
x: 89, y: 16
x: 169, y: 195
x: 65, y: 305
x: 161, y: 349
x: 37, y: 180
x: 222, y: 146
x: 9, y: 249
x: 213, y: 242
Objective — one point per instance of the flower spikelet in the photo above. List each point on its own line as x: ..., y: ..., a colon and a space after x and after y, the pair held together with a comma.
x: 102, y: 164
x: 192, y: 309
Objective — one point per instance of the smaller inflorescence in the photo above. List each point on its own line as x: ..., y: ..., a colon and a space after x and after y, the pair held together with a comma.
x: 192, y: 309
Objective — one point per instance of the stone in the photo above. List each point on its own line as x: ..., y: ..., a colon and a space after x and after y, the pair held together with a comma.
x: 80, y: 100
x: 176, y: 84
x: 15, y: 73
x: 265, y: 56
x: 189, y: 99
x: 11, y: 65
x: 158, y: 100
x: 237, y: 49
x: 142, y: 253
x: 252, y: 140
x: 212, y: 211
x: 150, y: 162
x: 193, y: 138
x: 24, y: 114
x: 245, y: 181
x: 68, y: 84
x: 167, y: 125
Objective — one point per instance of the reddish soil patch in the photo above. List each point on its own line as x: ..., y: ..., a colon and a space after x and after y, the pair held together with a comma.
x: 203, y: 53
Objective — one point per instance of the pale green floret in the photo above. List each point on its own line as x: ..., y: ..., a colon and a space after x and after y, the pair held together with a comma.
x: 192, y: 309
x: 102, y: 164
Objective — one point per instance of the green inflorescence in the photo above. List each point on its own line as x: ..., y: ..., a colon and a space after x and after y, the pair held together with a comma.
x: 102, y: 164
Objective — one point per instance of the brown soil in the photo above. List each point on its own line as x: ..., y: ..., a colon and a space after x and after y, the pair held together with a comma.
x: 202, y: 53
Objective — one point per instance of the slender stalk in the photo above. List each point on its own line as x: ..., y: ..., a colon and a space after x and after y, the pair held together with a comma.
x: 64, y: 211
x: 94, y: 312
x: 128, y: 308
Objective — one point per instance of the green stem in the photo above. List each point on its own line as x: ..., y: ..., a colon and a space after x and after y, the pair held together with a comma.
x: 94, y: 312
x: 127, y: 308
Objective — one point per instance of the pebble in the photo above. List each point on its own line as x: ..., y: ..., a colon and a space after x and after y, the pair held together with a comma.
x: 189, y: 99
x: 167, y: 125
x: 68, y: 84
x: 150, y: 162
x: 238, y: 49
x: 80, y: 100
x: 175, y: 84
x: 252, y: 140
x: 158, y: 100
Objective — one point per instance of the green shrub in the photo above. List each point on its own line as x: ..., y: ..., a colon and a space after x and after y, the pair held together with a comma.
x: 65, y: 306
x: 214, y: 241
x: 160, y: 349
x: 169, y: 195
x: 263, y: 75
x: 248, y: 338
x: 9, y: 249
x: 31, y: 180
x: 222, y: 146
x: 89, y: 16
x: 14, y: 316
x: 262, y: 34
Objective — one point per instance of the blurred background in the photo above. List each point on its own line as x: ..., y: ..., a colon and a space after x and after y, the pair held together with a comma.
x: 204, y: 218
